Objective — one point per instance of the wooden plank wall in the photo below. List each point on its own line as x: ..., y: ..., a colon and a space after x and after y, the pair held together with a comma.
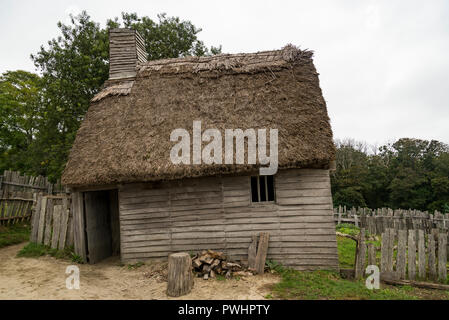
x: 126, y: 49
x: 216, y: 213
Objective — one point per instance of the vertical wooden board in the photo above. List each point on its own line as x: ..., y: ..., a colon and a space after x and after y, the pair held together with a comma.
x: 252, y: 251
x: 421, y: 255
x: 57, y: 212
x: 371, y: 254
x: 262, y: 252
x: 79, y: 231
x: 70, y: 227
x: 115, y: 221
x: 411, y: 255
x: 391, y: 241
x: 41, y: 227
x: 384, y: 251
x: 35, y: 218
x: 442, y: 256
x: 64, y: 221
x: 361, y: 255
x: 432, y: 258
x: 401, y: 256
x: 48, y: 222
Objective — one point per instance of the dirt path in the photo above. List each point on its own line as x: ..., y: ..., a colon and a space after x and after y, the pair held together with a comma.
x: 44, y: 278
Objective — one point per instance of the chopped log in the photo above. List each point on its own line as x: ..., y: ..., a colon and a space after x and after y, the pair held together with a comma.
x: 206, y: 258
x: 262, y: 252
x: 196, y: 263
x: 180, y: 277
x: 418, y: 284
x: 232, y: 265
x: 215, y: 263
x: 216, y: 254
x: 206, y: 268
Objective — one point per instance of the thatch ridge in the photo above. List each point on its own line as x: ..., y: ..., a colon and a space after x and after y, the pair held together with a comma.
x: 125, y: 134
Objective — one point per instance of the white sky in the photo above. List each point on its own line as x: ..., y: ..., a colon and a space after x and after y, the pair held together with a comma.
x: 384, y: 65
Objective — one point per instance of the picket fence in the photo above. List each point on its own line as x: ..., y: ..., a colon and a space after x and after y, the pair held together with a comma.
x: 378, y: 220
x: 52, y: 221
x: 407, y: 254
x: 17, y: 195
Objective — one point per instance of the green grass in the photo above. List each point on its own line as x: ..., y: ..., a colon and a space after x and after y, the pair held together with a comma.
x: 346, y: 252
x: 34, y: 250
x: 135, y: 265
x: 14, y: 234
x: 316, y: 285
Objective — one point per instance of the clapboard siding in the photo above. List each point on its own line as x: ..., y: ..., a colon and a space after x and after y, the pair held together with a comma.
x: 157, y: 219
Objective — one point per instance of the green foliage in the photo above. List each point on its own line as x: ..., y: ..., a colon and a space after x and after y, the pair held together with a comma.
x: 20, y: 116
x: 135, y: 265
x: 220, y: 277
x: 275, y: 266
x: 41, y: 114
x: 348, y: 228
x: 14, y: 234
x: 35, y: 250
x: 409, y: 173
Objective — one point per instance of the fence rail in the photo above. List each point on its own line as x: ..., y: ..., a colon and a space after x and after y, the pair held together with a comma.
x: 18, y: 195
x: 378, y: 220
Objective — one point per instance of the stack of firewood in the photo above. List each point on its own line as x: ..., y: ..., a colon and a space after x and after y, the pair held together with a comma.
x: 209, y: 264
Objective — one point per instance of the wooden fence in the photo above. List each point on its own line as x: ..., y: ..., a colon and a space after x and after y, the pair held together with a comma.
x: 378, y: 220
x: 17, y: 195
x: 52, y: 221
x: 407, y: 254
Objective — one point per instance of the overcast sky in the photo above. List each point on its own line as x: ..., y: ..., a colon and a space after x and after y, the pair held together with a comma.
x: 384, y: 65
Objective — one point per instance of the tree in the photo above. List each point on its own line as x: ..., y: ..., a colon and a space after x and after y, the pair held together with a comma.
x: 20, y: 114
x: 75, y: 65
x: 409, y: 173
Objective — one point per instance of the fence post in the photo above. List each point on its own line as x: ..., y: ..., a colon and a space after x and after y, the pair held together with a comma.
x: 361, y: 255
x: 442, y: 256
x: 411, y: 255
x: 432, y: 258
x: 421, y: 255
x: 401, y: 257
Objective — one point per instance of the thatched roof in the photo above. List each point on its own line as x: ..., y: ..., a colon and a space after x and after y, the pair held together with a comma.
x: 125, y: 136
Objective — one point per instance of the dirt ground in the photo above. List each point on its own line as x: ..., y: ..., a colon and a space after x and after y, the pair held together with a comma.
x: 45, y: 278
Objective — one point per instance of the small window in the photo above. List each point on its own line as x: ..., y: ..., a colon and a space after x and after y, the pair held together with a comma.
x: 262, y: 188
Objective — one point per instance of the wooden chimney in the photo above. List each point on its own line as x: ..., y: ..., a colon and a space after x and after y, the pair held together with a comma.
x: 126, y: 50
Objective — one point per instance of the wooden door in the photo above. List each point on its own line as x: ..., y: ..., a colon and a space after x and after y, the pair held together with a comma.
x: 98, y: 225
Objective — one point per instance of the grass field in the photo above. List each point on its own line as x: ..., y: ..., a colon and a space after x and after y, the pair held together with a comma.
x: 14, y: 234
